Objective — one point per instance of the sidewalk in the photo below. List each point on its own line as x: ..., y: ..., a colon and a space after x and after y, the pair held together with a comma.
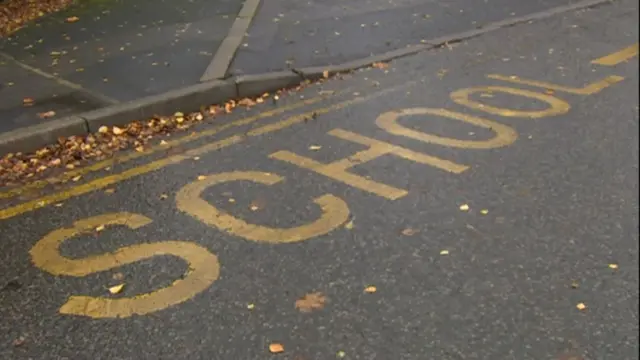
x: 98, y: 53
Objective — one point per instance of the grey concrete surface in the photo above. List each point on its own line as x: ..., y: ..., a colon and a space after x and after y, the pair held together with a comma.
x: 562, y: 205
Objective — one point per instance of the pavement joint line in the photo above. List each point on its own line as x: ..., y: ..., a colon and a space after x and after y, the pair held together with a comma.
x: 32, y: 137
x: 109, y: 180
x: 223, y: 57
x: 103, y: 99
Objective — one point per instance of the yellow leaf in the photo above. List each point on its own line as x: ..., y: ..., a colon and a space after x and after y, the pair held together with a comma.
x: 444, y: 252
x: 139, y: 148
x: 310, y: 302
x: 464, y: 207
x: 341, y: 354
x: 325, y: 74
x: 109, y: 191
x: 250, y: 306
x: 370, y: 289
x: 315, y: 147
x: 163, y: 196
x: 76, y: 178
x: 178, y: 114
x: 103, y: 129
x: 613, y: 266
x: 254, y: 208
x: 72, y: 19
x: 100, y: 228
x: 581, y: 306
x: 484, y: 211
x: 349, y: 225
x: 201, y: 177
x: 117, y: 131
x: 116, y: 289
x: 276, y: 348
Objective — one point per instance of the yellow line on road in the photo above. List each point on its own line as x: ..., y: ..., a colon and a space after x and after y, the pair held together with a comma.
x: 174, y: 159
x: 618, y: 56
x: 134, y: 155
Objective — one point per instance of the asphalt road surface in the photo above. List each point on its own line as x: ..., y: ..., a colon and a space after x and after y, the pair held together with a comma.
x: 479, y: 201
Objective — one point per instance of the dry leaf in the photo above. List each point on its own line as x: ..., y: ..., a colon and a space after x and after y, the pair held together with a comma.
x: 315, y: 147
x: 201, y: 177
x: 409, y: 232
x: 109, y: 191
x: 464, y: 207
x: 116, y: 289
x: 76, y: 178
x: 380, y: 65
x: 251, y: 306
x: 444, y: 252
x: 72, y: 19
x: 47, y: 114
x: 613, y: 266
x: 117, y: 131
x: 310, y: 302
x: 163, y: 196
x: 162, y: 142
x: 341, y: 354
x: 349, y: 225
x: 484, y: 211
x: 575, y: 285
x: 370, y: 289
x: 118, y: 276
x: 27, y: 101
x: 246, y: 102
x: 581, y: 306
x: 253, y: 208
x: 276, y: 348
x: 103, y: 129
x: 100, y: 228
x: 325, y: 74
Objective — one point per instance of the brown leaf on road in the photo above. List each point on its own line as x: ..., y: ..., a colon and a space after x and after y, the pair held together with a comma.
x: 27, y: 101
x: 276, y: 348
x: 380, y: 65
x: 72, y: 19
x: 370, y: 289
x: 310, y: 302
x: 409, y: 232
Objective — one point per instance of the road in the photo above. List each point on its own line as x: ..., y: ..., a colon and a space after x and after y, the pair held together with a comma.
x: 479, y: 201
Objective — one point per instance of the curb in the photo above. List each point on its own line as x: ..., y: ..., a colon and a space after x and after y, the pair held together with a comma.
x: 191, y: 98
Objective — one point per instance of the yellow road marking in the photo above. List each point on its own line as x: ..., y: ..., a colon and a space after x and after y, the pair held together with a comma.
x: 203, y: 267
x: 505, y: 135
x: 589, y: 89
x: 337, y: 170
x: 618, y: 56
x: 556, y: 106
x: 335, y: 211
x: 134, y: 155
x: 174, y: 159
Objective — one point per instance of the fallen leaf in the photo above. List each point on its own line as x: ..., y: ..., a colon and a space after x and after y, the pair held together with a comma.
x: 162, y: 142
x: 116, y: 289
x: 409, y: 232
x: 100, y: 228
x: 581, y: 306
x: 613, y: 266
x: 72, y: 19
x: 341, y: 354
x: 140, y: 148
x: 315, y: 147
x: 103, y: 129
x: 109, y: 191
x: 484, y: 211
x: 27, y: 101
x: 276, y: 348
x: 253, y: 208
x: 325, y: 74
x: 76, y: 178
x: 201, y: 177
x: 250, y: 306
x: 370, y: 289
x: 464, y: 207
x: 349, y: 225
x: 575, y: 285
x: 117, y: 131
x: 58, y: 204
x: 380, y: 65
x: 163, y: 196
x: 19, y: 341
x: 310, y: 302
x: 444, y: 252
x: 118, y: 276
x: 47, y: 114
x: 246, y: 102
